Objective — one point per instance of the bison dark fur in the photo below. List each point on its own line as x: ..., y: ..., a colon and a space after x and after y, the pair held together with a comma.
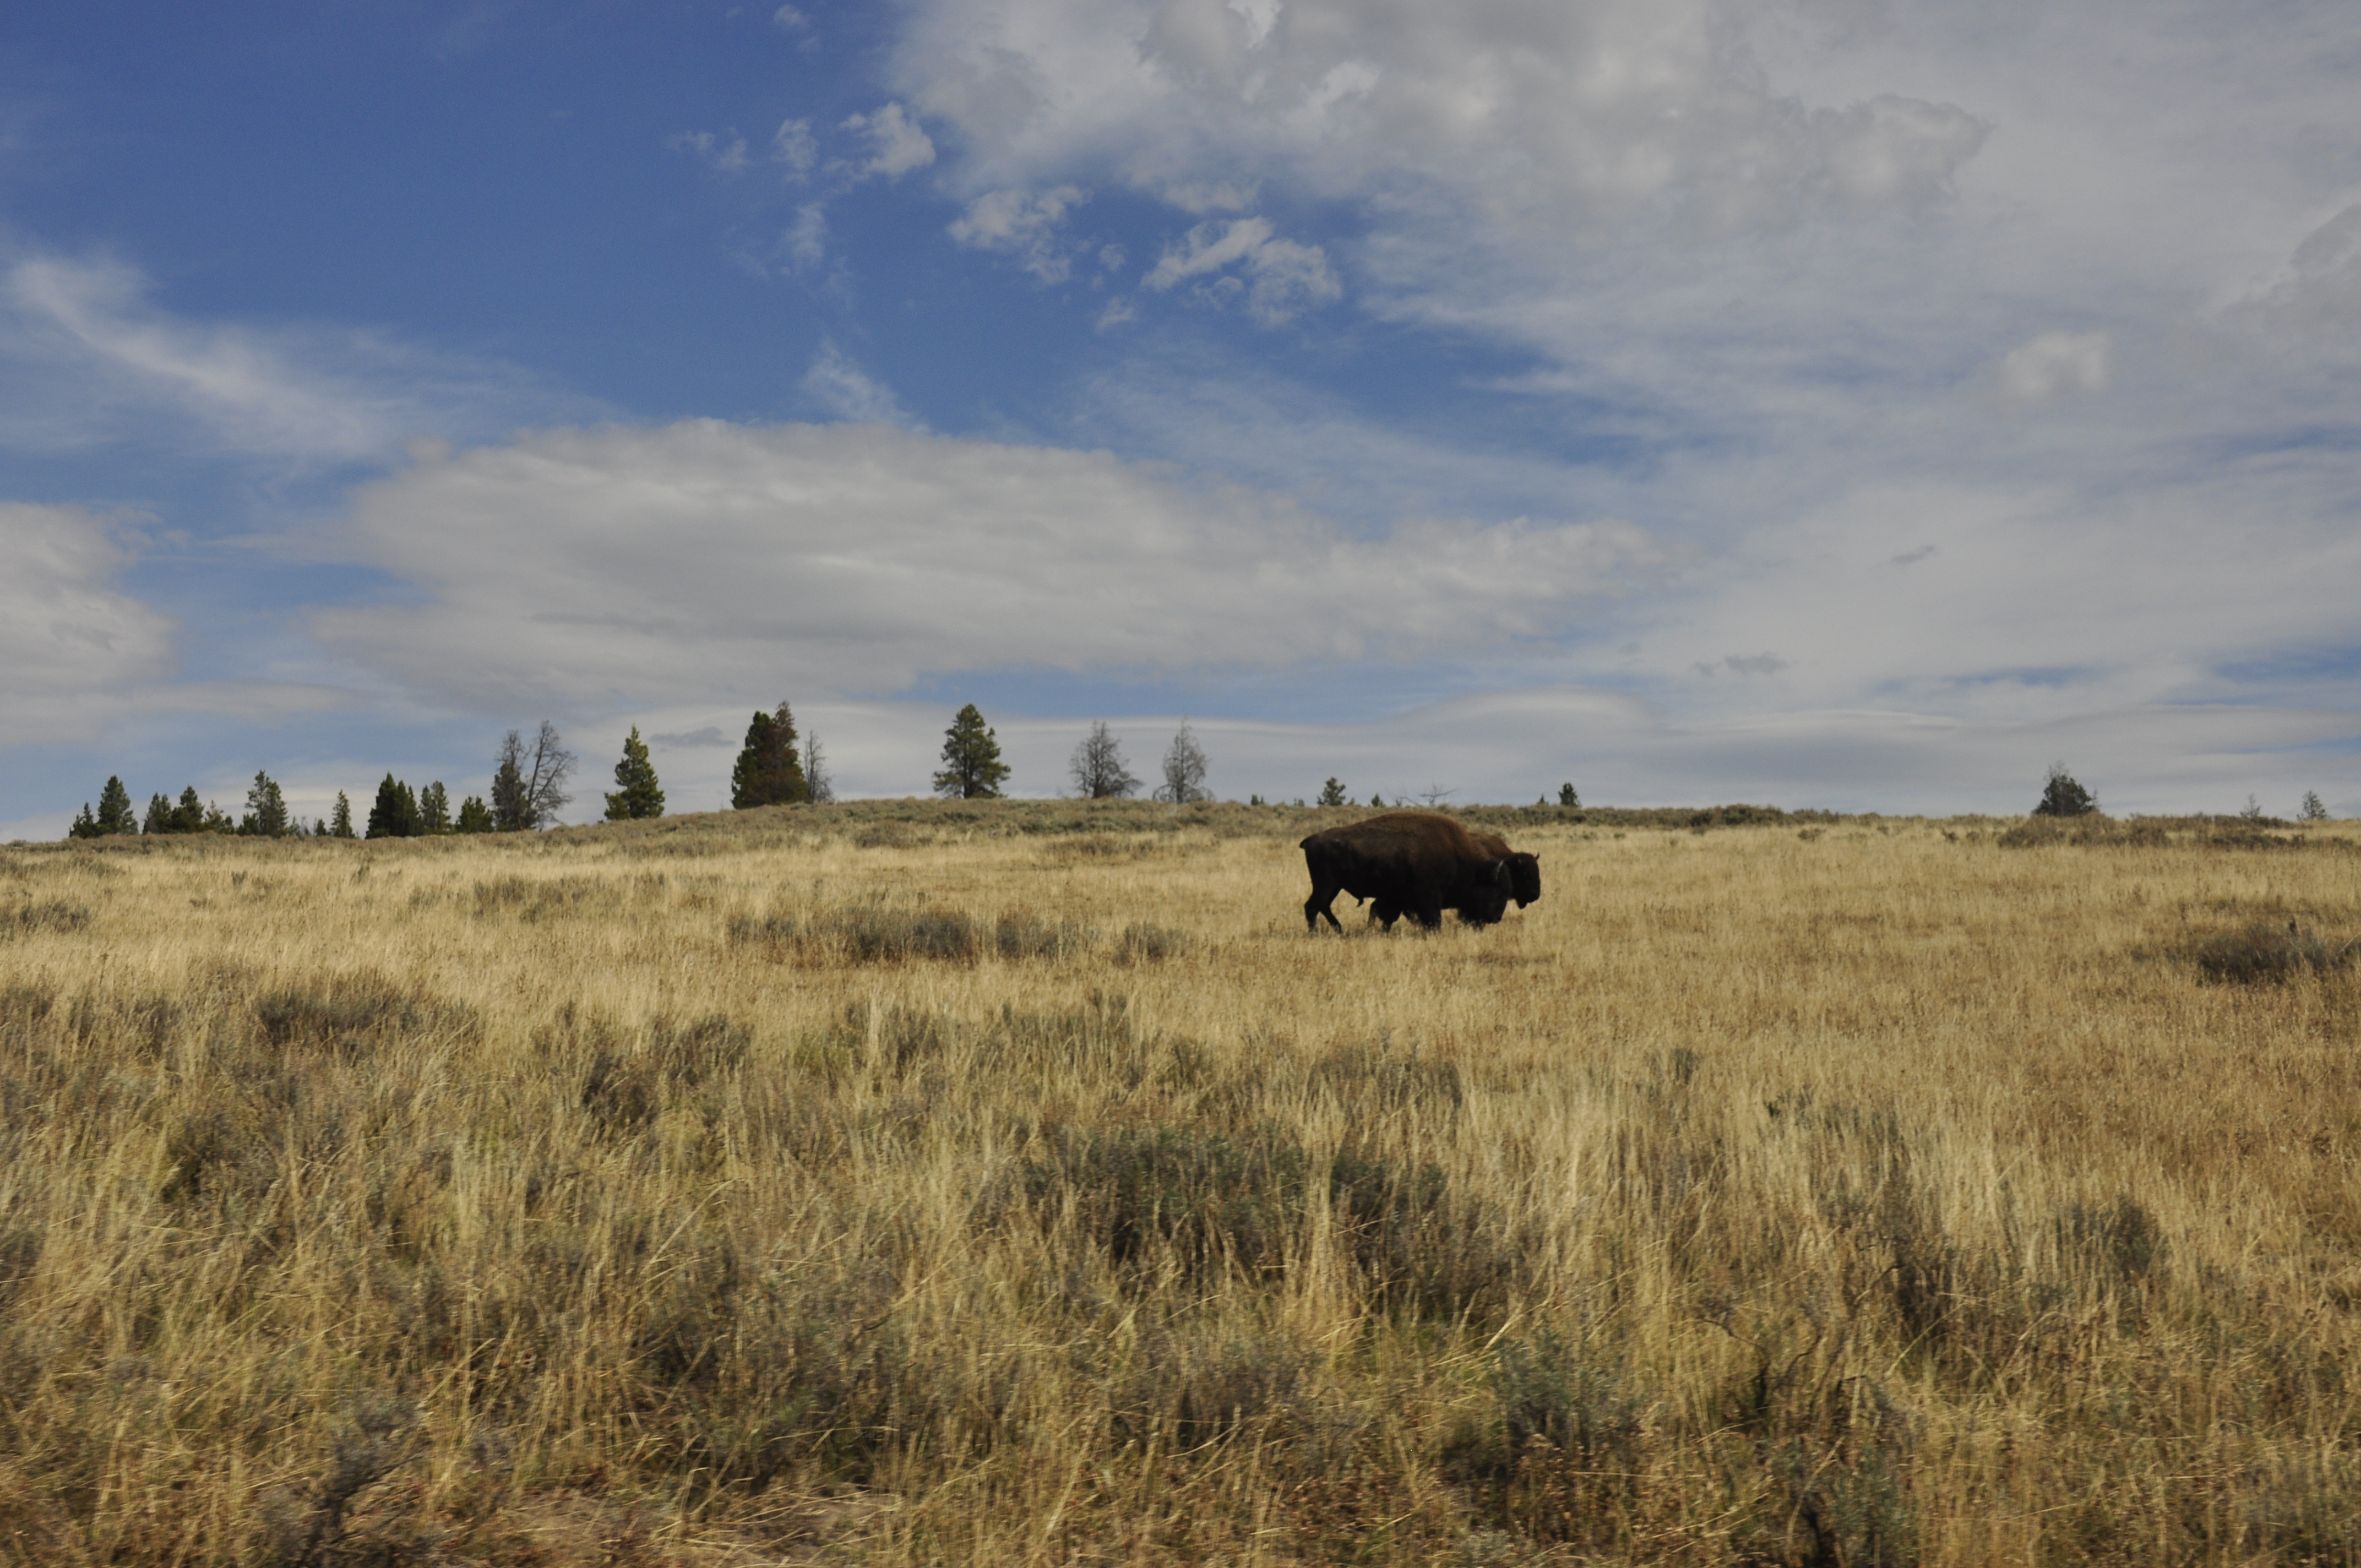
x: 1418, y: 863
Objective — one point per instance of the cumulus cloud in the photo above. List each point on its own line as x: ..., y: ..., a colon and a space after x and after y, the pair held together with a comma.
x: 896, y: 145
x: 1023, y: 224
x: 66, y: 638
x: 2053, y: 366
x: 1287, y: 277
x: 618, y: 565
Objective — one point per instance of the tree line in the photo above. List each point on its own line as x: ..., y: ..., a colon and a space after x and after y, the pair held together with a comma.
x: 529, y: 779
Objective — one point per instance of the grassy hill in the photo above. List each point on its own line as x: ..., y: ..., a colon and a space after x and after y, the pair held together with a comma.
x: 913, y: 1182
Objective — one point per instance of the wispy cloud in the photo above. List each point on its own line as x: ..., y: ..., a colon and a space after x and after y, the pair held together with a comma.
x: 844, y: 389
x: 724, y: 152
x: 93, y: 359
x: 1287, y: 279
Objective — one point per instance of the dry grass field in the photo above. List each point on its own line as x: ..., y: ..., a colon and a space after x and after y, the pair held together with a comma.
x: 918, y: 1183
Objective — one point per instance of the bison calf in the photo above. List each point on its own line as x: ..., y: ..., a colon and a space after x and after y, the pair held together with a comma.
x: 1420, y: 863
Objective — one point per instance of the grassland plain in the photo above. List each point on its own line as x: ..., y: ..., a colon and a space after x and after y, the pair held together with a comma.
x: 918, y: 1183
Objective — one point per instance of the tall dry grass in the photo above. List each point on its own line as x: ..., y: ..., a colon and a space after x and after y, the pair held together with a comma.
x: 911, y: 1185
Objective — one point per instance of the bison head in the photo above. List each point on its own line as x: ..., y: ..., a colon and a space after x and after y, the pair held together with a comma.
x: 1524, y: 871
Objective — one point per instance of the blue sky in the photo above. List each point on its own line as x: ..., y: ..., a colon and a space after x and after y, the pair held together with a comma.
x: 1829, y: 403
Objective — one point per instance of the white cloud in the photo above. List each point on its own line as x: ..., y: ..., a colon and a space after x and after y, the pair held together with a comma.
x: 896, y: 144
x: 1288, y: 279
x: 1543, y: 114
x: 803, y: 245
x: 89, y: 359
x: 793, y: 145
x: 787, y: 19
x: 1023, y: 224
x: 618, y: 566
x: 2055, y: 365
x: 844, y: 389
x: 725, y: 153
x: 68, y: 640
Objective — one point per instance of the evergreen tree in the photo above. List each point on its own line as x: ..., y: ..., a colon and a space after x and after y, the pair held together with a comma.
x: 529, y: 784
x: 2313, y: 808
x: 395, y: 813
x: 1098, y: 767
x: 434, y: 809
x: 971, y: 766
x: 511, y: 813
x: 636, y: 794
x: 188, y: 815
x: 1333, y: 792
x: 1565, y: 796
x: 266, y: 809
x: 340, y: 826
x: 475, y: 817
x: 2061, y: 796
x: 85, y: 826
x: 768, y: 772
x: 115, y: 813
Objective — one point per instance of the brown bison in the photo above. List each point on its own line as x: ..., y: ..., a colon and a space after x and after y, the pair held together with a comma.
x: 1419, y: 863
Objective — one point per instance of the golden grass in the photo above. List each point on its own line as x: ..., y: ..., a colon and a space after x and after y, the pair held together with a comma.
x: 906, y: 1184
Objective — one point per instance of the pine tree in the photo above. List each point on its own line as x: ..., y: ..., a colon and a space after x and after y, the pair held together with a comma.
x: 971, y: 766
x: 512, y: 811
x: 636, y: 794
x: 529, y: 784
x: 1566, y: 796
x: 395, y: 813
x: 266, y: 809
x: 475, y: 817
x: 768, y: 772
x: 340, y: 826
x: 115, y: 813
x: 2061, y: 796
x: 434, y: 809
x: 2313, y: 808
x: 1333, y: 792
x: 85, y: 826
x: 188, y: 815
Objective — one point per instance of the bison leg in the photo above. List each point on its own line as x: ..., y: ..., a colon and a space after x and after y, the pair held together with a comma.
x: 1430, y: 911
x: 1315, y: 908
x: 1387, y: 911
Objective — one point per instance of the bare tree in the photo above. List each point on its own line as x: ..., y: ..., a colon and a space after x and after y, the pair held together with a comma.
x: 529, y: 784
x: 1434, y: 795
x: 1098, y: 768
x: 1184, y: 768
x: 816, y: 779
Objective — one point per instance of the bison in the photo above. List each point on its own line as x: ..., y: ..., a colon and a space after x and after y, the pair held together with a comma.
x: 1419, y: 863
